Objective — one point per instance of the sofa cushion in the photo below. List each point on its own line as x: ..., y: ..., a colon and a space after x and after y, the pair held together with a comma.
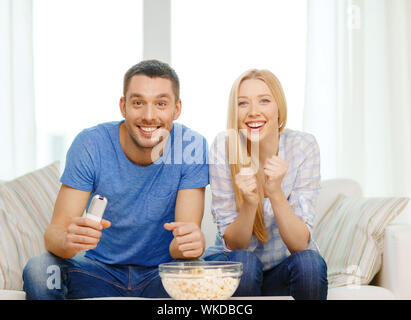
x: 350, y: 236
x: 26, y: 206
x: 360, y: 293
x: 331, y: 190
x: 12, y: 295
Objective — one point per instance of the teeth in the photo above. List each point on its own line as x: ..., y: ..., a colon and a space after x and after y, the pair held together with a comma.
x: 255, y: 124
x: 148, y: 129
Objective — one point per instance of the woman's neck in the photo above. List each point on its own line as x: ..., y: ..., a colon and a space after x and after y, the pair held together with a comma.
x: 263, y: 150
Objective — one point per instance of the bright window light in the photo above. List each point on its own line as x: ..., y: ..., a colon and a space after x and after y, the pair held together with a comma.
x: 81, y: 50
x: 214, y: 41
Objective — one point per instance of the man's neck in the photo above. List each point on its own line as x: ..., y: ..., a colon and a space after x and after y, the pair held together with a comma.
x: 138, y: 155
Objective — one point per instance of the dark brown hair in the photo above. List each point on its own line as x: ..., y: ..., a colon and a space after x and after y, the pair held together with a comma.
x: 153, y: 69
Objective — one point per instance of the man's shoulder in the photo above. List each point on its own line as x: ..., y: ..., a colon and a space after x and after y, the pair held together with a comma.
x: 187, y: 130
x: 102, y: 127
x: 189, y: 136
x: 99, y: 131
x: 189, y: 146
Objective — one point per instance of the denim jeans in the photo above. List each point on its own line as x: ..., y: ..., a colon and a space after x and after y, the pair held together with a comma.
x: 47, y: 277
x: 302, y: 275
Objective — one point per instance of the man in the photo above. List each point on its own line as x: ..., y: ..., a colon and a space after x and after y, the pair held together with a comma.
x: 144, y: 166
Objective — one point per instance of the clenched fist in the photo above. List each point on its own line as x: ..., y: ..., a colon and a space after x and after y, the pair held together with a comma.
x: 83, y: 234
x: 274, y: 172
x: 246, y: 181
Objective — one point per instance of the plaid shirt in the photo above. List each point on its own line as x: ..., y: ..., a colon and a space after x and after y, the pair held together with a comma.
x: 300, y: 185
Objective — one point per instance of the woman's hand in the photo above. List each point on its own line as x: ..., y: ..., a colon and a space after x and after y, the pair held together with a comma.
x: 246, y: 181
x: 274, y: 172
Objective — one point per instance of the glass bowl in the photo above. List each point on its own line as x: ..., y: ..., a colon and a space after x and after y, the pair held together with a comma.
x: 201, y: 280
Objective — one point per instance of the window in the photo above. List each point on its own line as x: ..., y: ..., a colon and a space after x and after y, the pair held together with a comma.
x: 81, y: 51
x: 83, y: 48
x: 214, y: 41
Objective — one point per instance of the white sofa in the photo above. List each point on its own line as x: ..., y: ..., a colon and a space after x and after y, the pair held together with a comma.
x: 392, y: 282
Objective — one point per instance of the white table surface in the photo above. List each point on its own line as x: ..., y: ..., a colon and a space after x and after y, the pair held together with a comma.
x: 232, y: 298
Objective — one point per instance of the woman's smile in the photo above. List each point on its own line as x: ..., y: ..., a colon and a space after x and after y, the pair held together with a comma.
x: 255, y: 126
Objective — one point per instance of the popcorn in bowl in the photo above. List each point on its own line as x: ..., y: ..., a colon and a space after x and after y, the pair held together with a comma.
x: 201, y: 280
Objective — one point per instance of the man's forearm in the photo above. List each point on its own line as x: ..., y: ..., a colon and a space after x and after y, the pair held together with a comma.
x: 54, y: 241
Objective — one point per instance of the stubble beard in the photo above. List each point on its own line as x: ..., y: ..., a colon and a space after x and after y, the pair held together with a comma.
x: 154, y: 146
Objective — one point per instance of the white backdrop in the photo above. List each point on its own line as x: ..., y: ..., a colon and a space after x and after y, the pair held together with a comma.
x: 358, y: 101
x: 17, y: 121
x: 358, y: 71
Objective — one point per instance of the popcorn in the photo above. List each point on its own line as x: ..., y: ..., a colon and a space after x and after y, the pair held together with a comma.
x: 201, y: 284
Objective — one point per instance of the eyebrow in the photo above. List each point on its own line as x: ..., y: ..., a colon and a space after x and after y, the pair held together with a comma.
x: 159, y: 96
x: 259, y: 96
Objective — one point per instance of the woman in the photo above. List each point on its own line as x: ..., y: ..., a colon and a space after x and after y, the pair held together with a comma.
x: 264, y: 180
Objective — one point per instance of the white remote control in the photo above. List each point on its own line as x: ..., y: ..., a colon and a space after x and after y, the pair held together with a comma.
x: 96, y: 209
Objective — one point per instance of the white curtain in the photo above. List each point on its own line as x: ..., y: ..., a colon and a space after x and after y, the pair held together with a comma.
x: 358, y: 83
x: 17, y: 122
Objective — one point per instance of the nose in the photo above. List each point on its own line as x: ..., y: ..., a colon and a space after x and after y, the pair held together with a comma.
x: 253, y: 110
x: 148, y: 113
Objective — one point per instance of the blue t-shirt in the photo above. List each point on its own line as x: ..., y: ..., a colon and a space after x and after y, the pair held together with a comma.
x: 140, y: 198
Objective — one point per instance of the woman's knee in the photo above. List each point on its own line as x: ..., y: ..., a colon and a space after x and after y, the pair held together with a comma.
x: 252, y: 277
x: 309, y: 261
x: 309, y: 270
x: 248, y: 258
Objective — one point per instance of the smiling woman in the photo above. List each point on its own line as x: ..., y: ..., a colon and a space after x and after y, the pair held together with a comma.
x: 264, y: 208
x: 212, y: 41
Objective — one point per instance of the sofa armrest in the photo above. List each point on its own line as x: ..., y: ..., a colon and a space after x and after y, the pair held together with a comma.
x: 395, y: 272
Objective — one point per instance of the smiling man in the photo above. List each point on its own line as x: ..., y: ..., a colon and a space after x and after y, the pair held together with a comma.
x: 154, y: 208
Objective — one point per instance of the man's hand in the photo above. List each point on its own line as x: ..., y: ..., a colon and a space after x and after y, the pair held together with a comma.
x: 83, y: 234
x: 188, y: 237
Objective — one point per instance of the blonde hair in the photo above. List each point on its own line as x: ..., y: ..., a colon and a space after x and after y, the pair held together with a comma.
x: 236, y: 147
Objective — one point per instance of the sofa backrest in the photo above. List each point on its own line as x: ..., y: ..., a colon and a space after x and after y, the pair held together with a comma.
x: 330, y: 190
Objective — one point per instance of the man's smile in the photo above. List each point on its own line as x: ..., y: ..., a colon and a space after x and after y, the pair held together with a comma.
x: 148, y: 130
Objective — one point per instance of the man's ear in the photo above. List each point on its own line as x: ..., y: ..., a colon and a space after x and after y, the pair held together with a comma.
x: 177, y: 110
x: 123, y: 106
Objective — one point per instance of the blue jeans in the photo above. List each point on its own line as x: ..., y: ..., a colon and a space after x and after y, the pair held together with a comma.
x: 47, y: 277
x: 302, y: 275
